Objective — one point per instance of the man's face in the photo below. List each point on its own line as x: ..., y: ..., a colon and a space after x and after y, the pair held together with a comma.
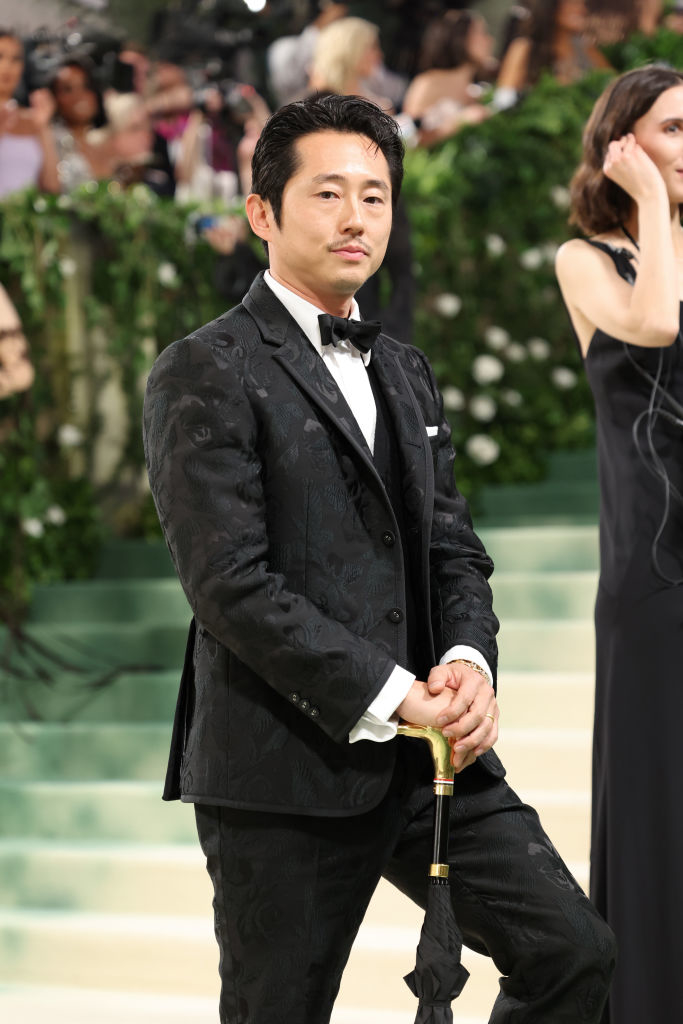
x: 335, y: 219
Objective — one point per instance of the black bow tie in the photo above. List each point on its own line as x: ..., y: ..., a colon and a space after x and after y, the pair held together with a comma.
x: 360, y: 333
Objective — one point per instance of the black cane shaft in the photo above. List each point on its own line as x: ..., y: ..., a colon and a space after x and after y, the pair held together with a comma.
x: 440, y: 852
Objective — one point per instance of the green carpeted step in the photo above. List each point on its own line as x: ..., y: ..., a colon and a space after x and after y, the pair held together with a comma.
x: 99, y: 646
x: 568, y: 495
x: 81, y: 750
x: 579, y: 465
x: 130, y: 697
x: 150, y: 601
x: 135, y: 559
x: 541, y: 548
x: 566, y: 595
x: 560, y: 501
x: 104, y: 877
x: 83, y: 811
x: 550, y: 645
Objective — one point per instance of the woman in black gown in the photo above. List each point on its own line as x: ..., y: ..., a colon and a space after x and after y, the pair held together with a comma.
x: 623, y: 287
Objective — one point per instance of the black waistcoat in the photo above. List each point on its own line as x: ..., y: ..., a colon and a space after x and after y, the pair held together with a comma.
x: 387, y: 461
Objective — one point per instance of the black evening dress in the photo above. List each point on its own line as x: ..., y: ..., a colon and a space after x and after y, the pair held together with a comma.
x: 637, y: 817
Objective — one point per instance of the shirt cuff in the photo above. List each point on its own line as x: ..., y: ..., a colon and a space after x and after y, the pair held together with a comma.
x: 379, y: 722
x: 469, y: 654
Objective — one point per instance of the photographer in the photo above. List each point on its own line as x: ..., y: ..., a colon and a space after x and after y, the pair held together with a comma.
x: 210, y: 124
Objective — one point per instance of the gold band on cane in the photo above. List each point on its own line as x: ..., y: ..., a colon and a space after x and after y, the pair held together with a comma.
x: 438, y: 870
x: 442, y: 787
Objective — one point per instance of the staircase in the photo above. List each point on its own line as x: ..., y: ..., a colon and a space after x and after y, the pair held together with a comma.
x: 105, y: 906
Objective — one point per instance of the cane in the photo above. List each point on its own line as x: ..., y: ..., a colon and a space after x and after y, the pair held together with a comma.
x: 439, y: 975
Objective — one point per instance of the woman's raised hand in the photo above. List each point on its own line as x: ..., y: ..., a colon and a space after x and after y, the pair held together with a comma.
x: 628, y: 165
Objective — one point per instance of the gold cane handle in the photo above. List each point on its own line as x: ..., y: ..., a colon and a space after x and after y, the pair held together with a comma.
x: 441, y: 754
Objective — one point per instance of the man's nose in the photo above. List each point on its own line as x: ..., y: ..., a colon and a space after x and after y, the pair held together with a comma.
x: 352, y: 215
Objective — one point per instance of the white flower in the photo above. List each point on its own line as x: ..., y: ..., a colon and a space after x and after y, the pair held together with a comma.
x: 487, y: 369
x: 32, y: 527
x: 495, y: 245
x: 55, y: 515
x: 511, y: 397
x: 65, y: 202
x: 67, y: 266
x: 496, y: 337
x: 453, y: 399
x: 142, y: 195
x: 538, y: 348
x: 69, y: 436
x: 563, y: 378
x: 531, y: 259
x: 560, y: 196
x: 515, y: 352
x: 40, y: 204
x: 448, y: 304
x: 483, y: 407
x: 167, y: 274
x: 550, y: 251
x: 482, y: 449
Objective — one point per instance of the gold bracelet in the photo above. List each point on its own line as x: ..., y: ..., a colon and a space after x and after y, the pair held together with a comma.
x: 473, y: 665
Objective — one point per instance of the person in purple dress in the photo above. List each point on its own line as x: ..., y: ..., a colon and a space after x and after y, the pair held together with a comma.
x: 27, y: 150
x: 623, y: 287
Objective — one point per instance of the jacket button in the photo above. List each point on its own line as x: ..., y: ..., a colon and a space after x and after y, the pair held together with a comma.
x: 295, y: 698
x: 314, y: 712
x: 395, y: 616
x: 304, y: 704
x: 388, y: 539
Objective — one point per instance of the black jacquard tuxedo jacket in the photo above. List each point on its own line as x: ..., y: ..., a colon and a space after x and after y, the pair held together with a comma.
x: 288, y: 550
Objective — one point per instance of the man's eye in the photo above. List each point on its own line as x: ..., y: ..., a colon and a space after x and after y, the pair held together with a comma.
x: 327, y: 194
x: 375, y: 200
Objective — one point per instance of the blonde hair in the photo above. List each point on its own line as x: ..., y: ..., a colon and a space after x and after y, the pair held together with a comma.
x: 338, y: 50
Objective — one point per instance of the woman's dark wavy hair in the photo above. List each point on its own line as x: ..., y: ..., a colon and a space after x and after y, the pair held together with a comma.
x: 541, y: 35
x: 598, y: 204
x: 276, y: 158
x: 444, y: 43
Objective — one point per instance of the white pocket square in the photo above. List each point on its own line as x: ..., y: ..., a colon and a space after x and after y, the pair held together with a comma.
x: 432, y: 431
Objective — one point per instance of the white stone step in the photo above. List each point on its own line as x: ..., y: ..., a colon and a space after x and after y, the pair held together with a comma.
x: 546, y: 645
x: 36, y: 1005
x: 178, y: 956
x: 541, y: 700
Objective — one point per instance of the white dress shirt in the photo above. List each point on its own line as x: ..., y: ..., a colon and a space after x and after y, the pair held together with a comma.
x: 348, y: 367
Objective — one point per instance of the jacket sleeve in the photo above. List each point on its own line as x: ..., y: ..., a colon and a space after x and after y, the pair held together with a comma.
x: 461, y: 599
x: 201, y: 445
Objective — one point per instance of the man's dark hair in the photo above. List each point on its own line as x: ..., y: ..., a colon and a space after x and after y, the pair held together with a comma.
x: 275, y: 158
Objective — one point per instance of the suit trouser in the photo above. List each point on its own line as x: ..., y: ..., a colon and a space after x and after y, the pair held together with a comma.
x: 291, y: 892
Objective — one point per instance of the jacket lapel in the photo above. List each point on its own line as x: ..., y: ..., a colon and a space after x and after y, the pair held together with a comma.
x: 302, y: 362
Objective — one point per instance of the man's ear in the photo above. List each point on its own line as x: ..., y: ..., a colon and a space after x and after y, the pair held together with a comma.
x: 260, y: 214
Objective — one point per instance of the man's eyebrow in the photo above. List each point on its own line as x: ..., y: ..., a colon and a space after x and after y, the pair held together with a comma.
x: 320, y: 179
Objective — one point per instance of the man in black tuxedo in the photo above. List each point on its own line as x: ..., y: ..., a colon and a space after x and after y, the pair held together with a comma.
x: 303, y: 472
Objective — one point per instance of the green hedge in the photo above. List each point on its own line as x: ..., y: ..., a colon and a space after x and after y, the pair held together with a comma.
x: 488, y: 209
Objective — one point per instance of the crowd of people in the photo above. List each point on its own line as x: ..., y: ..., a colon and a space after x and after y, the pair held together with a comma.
x: 187, y: 134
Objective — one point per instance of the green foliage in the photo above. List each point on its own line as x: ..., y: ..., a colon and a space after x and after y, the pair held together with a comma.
x: 489, y: 209
x: 665, y: 47
x: 100, y: 263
